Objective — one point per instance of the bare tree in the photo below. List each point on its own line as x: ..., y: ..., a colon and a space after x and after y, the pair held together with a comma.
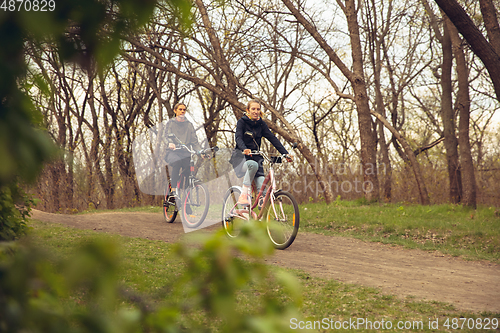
x: 479, y: 44
x: 461, y: 175
x: 463, y: 105
x: 356, y: 78
x: 449, y: 119
x: 216, y: 74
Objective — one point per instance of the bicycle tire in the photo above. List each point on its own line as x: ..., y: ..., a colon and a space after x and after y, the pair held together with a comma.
x: 169, y: 208
x: 231, y: 223
x: 195, y: 204
x: 282, y: 220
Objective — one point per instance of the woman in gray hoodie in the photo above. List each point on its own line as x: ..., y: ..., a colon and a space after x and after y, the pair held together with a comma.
x: 185, y: 133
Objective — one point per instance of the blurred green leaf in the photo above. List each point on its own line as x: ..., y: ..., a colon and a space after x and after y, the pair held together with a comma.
x: 83, y: 293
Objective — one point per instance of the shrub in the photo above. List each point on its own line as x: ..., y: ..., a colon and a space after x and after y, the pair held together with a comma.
x: 15, y: 206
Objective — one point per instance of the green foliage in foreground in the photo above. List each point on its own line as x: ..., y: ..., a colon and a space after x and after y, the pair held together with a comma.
x: 92, y: 288
x: 15, y: 206
x: 451, y: 229
x: 163, y: 287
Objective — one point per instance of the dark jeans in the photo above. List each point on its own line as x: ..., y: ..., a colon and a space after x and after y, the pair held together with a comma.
x: 176, y: 174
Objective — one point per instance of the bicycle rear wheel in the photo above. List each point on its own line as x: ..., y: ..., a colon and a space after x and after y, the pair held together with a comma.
x: 282, y: 219
x: 169, y: 208
x: 233, y: 215
x: 195, y: 204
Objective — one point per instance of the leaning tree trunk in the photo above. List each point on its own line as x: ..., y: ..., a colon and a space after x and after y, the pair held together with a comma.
x: 424, y: 196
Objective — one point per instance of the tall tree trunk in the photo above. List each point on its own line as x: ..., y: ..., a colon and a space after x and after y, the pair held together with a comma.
x: 463, y: 105
x: 448, y: 117
x: 386, y: 162
x: 479, y: 45
x: 108, y: 183
x: 491, y: 23
x: 55, y: 186
x: 376, y: 37
x: 69, y: 187
x: 94, y: 147
x: 366, y: 133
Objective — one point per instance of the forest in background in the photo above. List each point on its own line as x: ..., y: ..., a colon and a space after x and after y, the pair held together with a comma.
x: 354, y: 83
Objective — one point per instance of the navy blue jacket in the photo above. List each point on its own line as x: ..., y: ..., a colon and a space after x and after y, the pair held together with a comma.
x: 259, y: 129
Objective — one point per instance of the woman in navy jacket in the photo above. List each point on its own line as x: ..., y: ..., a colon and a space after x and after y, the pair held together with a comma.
x: 252, y: 122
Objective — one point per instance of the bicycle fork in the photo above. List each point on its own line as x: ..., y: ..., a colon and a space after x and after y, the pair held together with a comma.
x: 269, y: 193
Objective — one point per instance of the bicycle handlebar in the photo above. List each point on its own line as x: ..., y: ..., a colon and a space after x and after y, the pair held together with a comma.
x: 268, y: 157
x: 193, y: 152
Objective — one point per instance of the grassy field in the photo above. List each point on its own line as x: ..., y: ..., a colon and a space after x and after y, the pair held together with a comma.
x: 451, y: 229
x: 149, y: 267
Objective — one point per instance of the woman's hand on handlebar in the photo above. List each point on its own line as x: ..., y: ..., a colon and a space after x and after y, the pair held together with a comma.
x: 247, y: 152
x: 171, y: 146
x: 208, y: 153
x: 289, y: 158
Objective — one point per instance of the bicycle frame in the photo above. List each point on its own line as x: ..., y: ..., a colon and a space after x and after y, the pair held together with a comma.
x: 191, y: 196
x: 269, y: 178
x: 281, y: 221
x: 191, y: 180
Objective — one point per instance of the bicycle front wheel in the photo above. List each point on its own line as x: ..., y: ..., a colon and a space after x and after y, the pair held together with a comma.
x: 195, y: 204
x: 282, y: 219
x: 169, y: 208
x: 233, y: 215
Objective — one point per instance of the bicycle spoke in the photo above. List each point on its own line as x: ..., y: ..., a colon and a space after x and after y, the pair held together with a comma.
x: 195, y: 204
x: 233, y: 215
x: 282, y: 220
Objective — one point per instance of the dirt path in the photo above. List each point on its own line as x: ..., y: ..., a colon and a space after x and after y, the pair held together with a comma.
x: 467, y: 285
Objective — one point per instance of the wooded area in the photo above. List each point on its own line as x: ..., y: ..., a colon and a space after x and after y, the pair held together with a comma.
x: 390, y: 86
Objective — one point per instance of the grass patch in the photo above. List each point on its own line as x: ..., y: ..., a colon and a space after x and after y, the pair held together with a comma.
x: 143, y: 209
x: 451, y: 229
x: 148, y: 268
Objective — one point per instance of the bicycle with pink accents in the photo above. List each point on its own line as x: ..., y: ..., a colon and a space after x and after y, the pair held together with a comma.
x: 278, y: 209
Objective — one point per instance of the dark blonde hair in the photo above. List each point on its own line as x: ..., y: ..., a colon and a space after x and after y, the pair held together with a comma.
x: 255, y: 101
x: 252, y: 101
x: 179, y: 104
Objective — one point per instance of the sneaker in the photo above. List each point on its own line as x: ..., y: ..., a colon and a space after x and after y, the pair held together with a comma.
x: 174, y: 198
x: 243, y: 200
